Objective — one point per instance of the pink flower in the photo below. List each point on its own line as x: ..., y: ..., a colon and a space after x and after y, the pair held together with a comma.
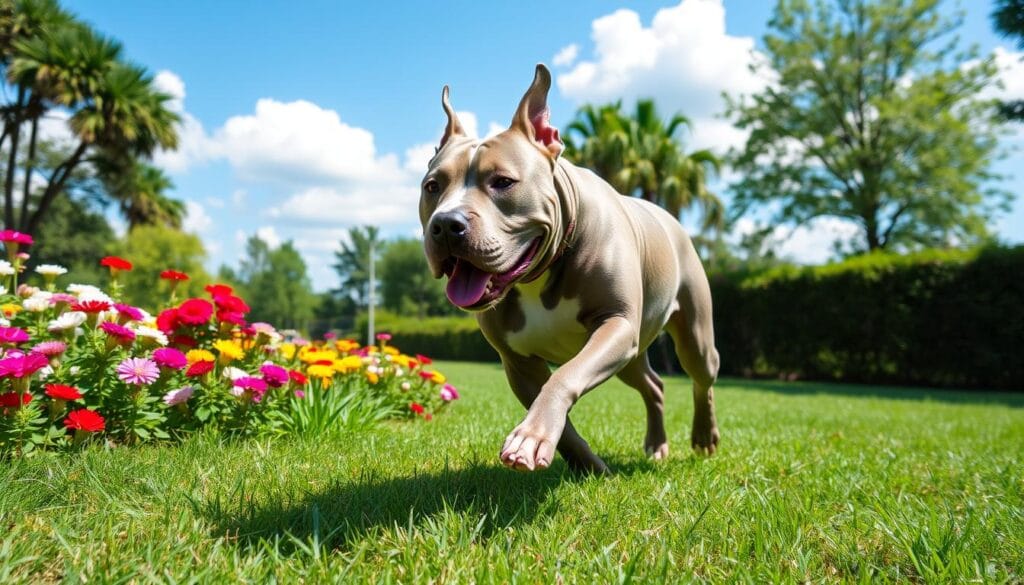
x: 23, y: 365
x: 178, y: 396
x: 250, y: 386
x: 300, y: 394
x: 138, y: 371
x: 119, y: 333
x: 274, y: 375
x: 168, y: 357
x: 129, y: 312
x: 13, y: 335
x: 50, y: 348
x: 383, y: 337
x: 65, y: 298
x: 13, y: 237
x: 448, y: 393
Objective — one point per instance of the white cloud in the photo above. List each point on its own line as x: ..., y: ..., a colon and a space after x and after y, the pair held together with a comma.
x: 567, y: 56
x: 371, y: 204
x: 169, y: 83
x: 269, y: 235
x: 196, y: 219
x: 684, y: 60
x: 193, y: 144
x: 418, y: 157
x: 812, y: 243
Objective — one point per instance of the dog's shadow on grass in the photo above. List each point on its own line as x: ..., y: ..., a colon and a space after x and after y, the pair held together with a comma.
x: 351, y: 510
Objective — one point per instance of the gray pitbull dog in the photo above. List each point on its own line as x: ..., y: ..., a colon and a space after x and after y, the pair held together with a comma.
x: 560, y: 268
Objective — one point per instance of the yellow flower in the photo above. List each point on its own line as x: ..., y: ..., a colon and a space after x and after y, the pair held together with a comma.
x: 198, y: 355
x: 346, y: 345
x: 319, y: 371
x: 372, y: 377
x: 287, y: 350
x: 310, y: 354
x: 349, y: 363
x: 390, y: 350
x: 10, y: 309
x: 229, y: 350
x: 403, y: 360
x: 438, y: 377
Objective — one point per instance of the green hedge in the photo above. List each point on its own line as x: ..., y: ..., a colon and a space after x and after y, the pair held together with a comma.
x: 446, y: 338
x: 937, y: 318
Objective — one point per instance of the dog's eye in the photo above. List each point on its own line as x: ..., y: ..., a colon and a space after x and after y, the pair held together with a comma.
x: 502, y: 183
x: 432, y: 187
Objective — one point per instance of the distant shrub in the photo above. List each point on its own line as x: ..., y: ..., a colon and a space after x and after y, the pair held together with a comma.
x: 447, y: 338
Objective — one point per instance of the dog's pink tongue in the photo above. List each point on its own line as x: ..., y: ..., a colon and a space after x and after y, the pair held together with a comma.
x: 467, y: 284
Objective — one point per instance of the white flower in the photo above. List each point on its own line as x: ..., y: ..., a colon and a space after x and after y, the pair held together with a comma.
x: 150, y: 333
x: 178, y: 396
x: 45, y: 373
x: 406, y: 386
x: 78, y: 289
x: 67, y: 321
x: 4, y: 322
x: 6, y: 269
x: 237, y: 391
x: 234, y: 373
x: 36, y: 303
x: 399, y: 372
x: 51, y: 270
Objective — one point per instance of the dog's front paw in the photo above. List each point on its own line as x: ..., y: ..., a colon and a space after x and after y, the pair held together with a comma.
x: 531, y: 445
x: 704, y: 437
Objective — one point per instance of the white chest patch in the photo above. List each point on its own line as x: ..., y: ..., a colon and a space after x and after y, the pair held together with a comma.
x: 553, y: 334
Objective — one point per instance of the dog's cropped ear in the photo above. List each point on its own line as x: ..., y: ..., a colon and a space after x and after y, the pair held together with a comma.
x: 454, y: 127
x: 532, y: 116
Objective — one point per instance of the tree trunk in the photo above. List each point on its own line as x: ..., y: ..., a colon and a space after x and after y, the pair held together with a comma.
x: 12, y: 161
x: 30, y: 165
x: 60, y: 176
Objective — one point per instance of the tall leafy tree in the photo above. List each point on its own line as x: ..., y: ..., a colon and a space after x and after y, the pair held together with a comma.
x: 153, y: 249
x: 872, y: 117
x: 1008, y: 20
x: 140, y: 190
x: 352, y: 262
x: 641, y: 154
x: 276, y: 285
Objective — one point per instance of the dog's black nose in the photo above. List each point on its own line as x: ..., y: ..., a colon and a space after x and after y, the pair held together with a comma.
x: 451, y: 225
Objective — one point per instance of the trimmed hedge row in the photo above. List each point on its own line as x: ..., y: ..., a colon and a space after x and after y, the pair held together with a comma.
x: 939, y: 318
x: 947, y: 318
x: 446, y: 338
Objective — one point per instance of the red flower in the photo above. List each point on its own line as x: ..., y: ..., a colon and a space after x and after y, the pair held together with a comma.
x: 173, y: 275
x: 86, y: 420
x: 199, y: 369
x: 231, y: 304
x: 424, y: 359
x: 14, y: 399
x: 13, y: 237
x: 217, y: 290
x: 115, y: 263
x: 195, y: 312
x: 90, y: 306
x: 426, y: 375
x: 167, y: 320
x: 298, y: 377
x: 62, y: 392
x: 231, y: 317
x: 416, y: 407
x: 323, y: 363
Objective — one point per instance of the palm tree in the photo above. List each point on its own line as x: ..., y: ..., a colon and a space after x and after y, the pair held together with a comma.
x: 640, y: 155
x: 140, y: 190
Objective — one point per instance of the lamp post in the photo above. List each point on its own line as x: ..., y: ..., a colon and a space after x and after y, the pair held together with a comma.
x: 370, y: 300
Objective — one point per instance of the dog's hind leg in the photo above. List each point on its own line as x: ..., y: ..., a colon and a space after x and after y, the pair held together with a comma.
x: 639, y: 375
x: 692, y: 331
x: 527, y: 376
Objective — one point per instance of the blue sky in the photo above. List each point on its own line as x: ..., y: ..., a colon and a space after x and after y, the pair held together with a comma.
x: 305, y: 118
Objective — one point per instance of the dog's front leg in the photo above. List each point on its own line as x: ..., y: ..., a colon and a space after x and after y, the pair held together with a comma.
x: 531, y: 445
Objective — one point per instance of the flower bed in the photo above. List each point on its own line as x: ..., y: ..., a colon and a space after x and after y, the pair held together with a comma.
x: 78, y: 366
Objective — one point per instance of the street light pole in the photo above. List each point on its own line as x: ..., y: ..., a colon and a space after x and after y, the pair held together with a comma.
x: 372, y: 300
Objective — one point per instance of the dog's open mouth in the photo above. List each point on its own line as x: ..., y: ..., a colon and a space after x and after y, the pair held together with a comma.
x: 470, y: 287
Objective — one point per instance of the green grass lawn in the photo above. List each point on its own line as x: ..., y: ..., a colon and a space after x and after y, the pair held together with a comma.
x: 812, y: 481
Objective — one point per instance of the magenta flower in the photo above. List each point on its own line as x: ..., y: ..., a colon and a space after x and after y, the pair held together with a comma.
x: 448, y: 393
x: 274, y: 375
x: 13, y: 335
x: 128, y: 312
x: 13, y: 237
x: 119, y: 333
x: 58, y: 298
x: 168, y: 357
x: 250, y: 386
x: 178, y: 396
x: 50, y: 348
x: 138, y: 371
x: 20, y: 366
x: 383, y: 337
